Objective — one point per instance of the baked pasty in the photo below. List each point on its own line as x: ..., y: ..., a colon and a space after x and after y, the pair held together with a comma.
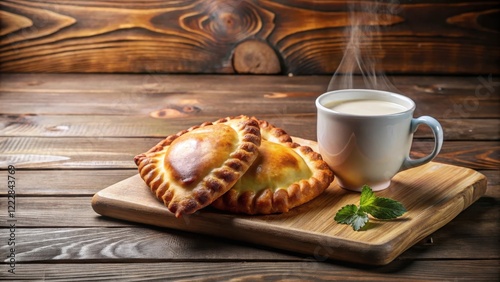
x: 192, y: 168
x: 284, y: 175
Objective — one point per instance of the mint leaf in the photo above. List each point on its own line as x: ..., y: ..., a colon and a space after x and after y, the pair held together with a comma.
x: 385, y: 208
x: 378, y: 207
x: 367, y: 197
x: 353, y: 216
x: 346, y: 214
x: 359, y: 220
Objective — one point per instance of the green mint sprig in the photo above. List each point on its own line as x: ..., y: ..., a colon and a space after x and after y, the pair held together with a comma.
x: 378, y: 207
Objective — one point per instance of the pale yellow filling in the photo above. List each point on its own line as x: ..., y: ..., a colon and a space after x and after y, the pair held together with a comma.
x: 276, y: 167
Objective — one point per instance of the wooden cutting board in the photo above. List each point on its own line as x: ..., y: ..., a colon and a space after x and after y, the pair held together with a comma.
x: 433, y: 194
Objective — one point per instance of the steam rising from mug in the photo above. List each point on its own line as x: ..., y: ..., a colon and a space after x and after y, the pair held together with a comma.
x: 359, y: 68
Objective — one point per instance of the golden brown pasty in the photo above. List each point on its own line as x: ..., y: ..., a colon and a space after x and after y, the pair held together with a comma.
x: 284, y: 175
x: 192, y: 168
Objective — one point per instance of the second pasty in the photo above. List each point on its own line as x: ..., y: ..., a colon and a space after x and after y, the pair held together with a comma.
x: 284, y: 175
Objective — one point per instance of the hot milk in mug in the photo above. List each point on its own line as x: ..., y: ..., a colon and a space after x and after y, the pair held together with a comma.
x: 365, y: 136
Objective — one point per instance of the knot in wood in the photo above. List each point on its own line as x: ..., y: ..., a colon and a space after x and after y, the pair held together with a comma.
x: 190, y: 109
x: 228, y: 22
x: 255, y: 57
x: 175, y: 111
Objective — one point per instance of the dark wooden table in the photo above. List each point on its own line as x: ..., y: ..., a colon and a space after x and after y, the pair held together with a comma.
x: 69, y: 136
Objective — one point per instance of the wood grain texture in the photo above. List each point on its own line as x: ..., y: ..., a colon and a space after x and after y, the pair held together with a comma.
x: 159, y: 96
x: 306, y: 270
x: 72, y: 183
x: 197, y: 36
x: 131, y: 244
x: 134, y: 126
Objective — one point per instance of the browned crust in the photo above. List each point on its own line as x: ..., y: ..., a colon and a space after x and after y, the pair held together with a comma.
x: 150, y: 165
x: 282, y: 200
x: 272, y: 133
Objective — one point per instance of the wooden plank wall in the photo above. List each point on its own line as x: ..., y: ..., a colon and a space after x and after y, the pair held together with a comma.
x: 245, y: 36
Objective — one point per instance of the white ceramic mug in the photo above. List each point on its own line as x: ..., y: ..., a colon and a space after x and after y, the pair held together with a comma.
x: 365, y: 136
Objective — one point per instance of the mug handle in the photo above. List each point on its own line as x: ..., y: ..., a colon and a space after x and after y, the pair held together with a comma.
x: 437, y: 130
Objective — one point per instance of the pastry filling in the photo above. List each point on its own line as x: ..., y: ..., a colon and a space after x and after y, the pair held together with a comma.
x: 193, y: 155
x: 276, y: 167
